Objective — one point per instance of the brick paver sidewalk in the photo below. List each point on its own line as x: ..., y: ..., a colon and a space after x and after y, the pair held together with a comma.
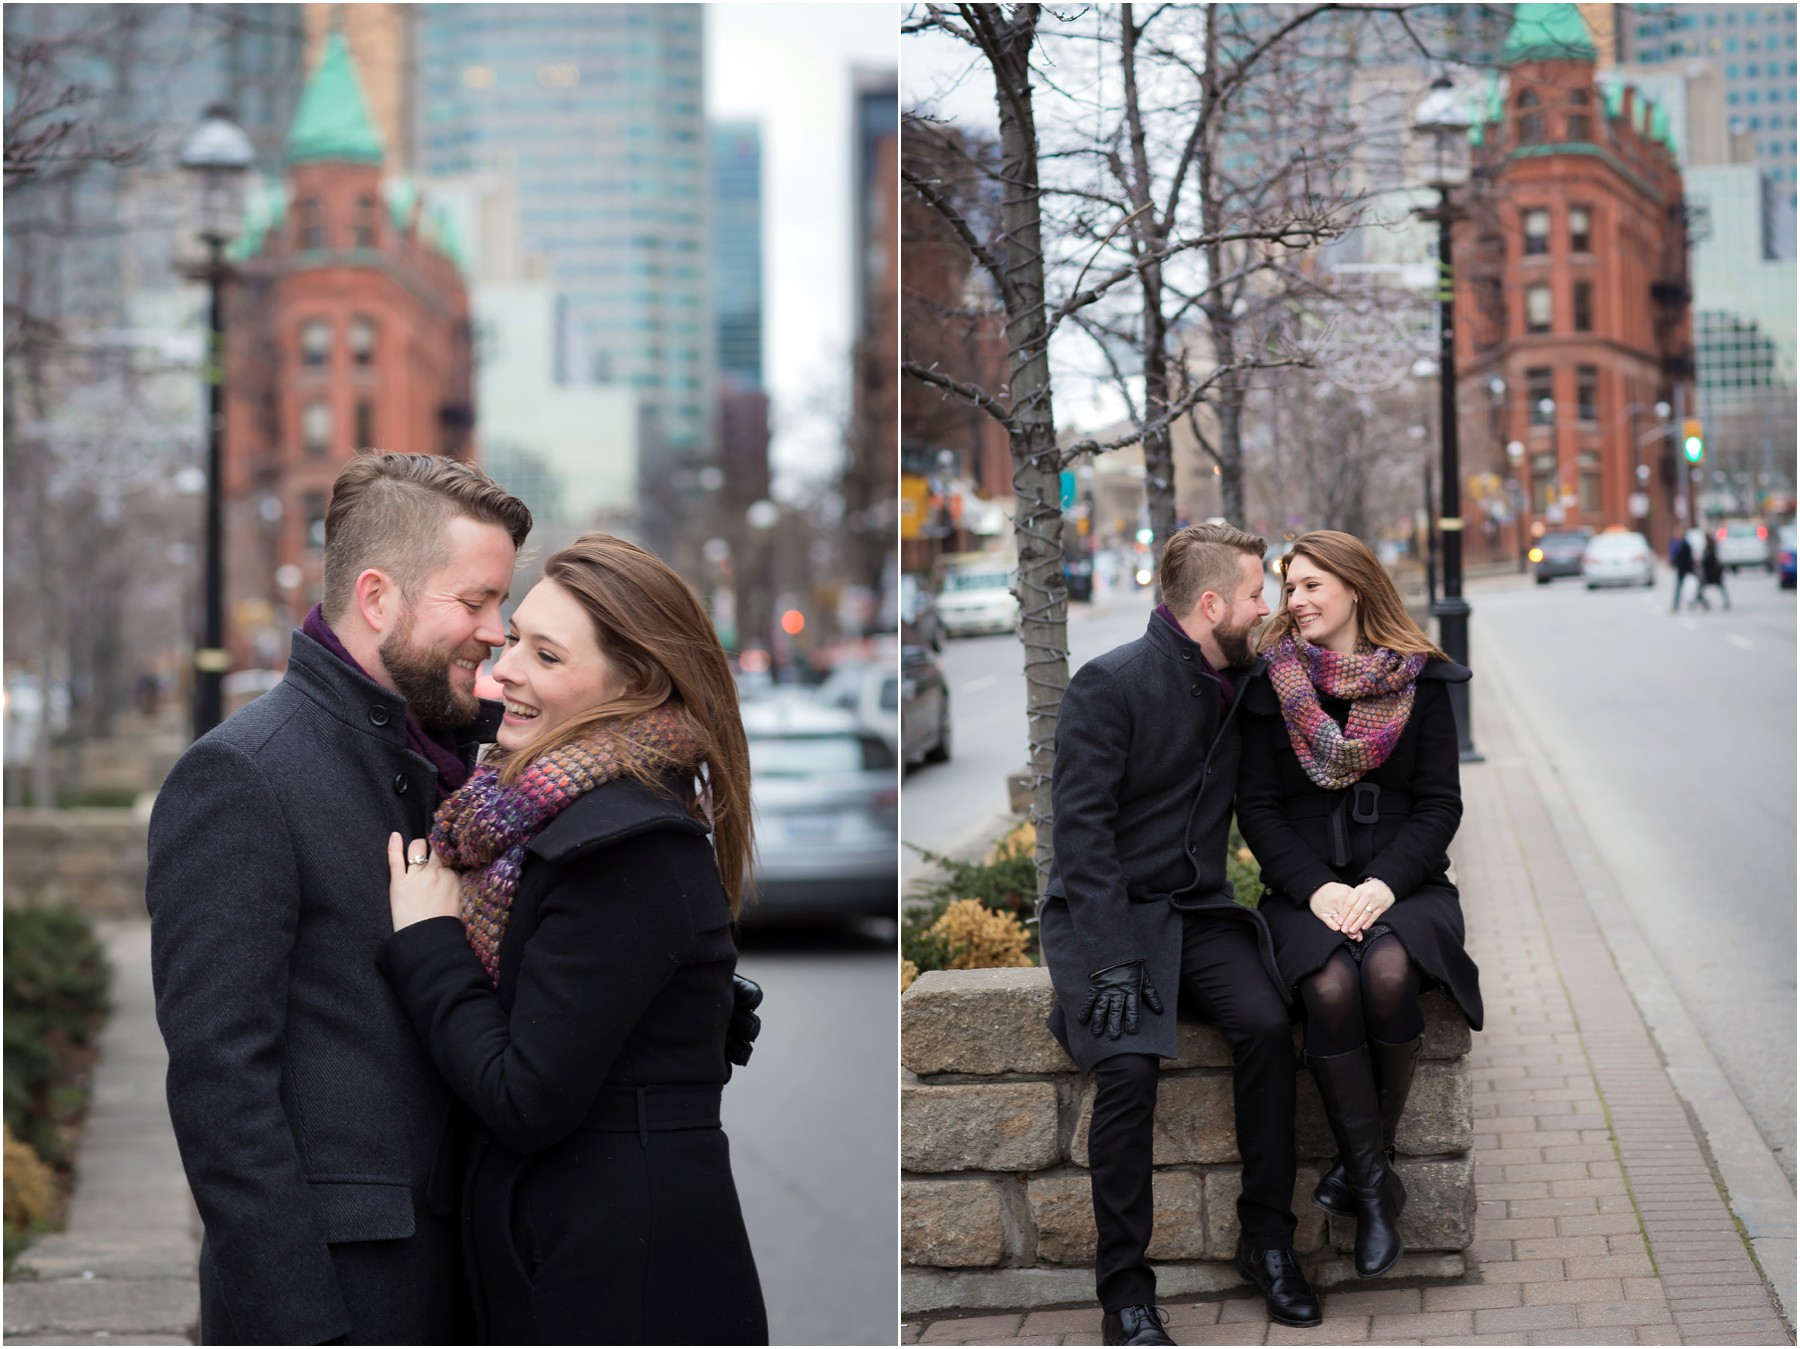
x: 1598, y: 1218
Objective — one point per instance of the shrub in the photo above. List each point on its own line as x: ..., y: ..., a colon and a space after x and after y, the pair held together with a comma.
x: 1006, y: 879
x: 975, y: 937
x: 30, y: 1188
x: 55, y: 1001
x: 908, y: 972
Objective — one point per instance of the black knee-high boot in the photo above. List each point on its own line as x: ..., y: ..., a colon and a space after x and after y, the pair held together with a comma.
x: 1394, y: 1065
x: 1347, y: 1087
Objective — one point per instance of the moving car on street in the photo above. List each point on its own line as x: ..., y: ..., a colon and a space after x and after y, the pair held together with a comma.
x: 825, y: 793
x: 924, y: 704
x: 1618, y: 558
x: 1784, y: 556
x: 977, y: 595
x: 918, y: 607
x: 1559, y: 554
x: 1743, y: 543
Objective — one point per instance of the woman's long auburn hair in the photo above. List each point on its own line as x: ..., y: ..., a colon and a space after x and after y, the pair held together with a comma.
x: 1381, y: 612
x: 661, y: 646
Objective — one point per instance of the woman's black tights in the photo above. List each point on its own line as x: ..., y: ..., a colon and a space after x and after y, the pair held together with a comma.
x: 1347, y: 1003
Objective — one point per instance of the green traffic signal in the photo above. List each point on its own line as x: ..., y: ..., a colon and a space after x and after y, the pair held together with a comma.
x: 1694, y: 449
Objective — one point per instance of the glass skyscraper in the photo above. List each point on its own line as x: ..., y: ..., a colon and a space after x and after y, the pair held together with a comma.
x: 1752, y: 46
x: 737, y: 250
x: 597, y: 114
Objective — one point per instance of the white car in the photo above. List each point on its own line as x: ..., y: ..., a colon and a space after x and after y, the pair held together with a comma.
x: 1742, y: 543
x: 1621, y: 559
x: 978, y: 598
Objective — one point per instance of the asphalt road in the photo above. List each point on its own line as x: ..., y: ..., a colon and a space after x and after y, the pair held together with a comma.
x: 1673, y: 736
x: 814, y: 1135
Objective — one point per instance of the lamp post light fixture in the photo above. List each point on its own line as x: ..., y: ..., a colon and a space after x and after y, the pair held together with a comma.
x: 217, y: 153
x: 1441, y: 121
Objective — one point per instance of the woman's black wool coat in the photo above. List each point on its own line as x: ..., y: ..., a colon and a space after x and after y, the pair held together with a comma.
x: 1305, y: 836
x: 596, y: 1213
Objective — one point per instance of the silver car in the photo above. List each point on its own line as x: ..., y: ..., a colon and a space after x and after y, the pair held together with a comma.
x: 825, y: 792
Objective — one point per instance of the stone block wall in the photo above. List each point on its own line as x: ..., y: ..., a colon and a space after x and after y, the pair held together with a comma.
x: 93, y: 859
x: 995, y: 1208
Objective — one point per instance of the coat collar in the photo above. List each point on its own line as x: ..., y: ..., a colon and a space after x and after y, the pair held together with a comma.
x: 357, y: 700
x: 1171, y: 641
x: 612, y: 812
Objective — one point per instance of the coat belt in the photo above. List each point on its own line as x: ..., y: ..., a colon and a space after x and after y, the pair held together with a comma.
x: 1360, y: 803
x: 653, y: 1109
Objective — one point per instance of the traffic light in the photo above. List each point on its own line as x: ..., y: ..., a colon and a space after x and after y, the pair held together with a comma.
x: 1693, y: 440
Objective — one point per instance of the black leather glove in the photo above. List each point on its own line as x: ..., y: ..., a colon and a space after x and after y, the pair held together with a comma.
x: 745, y: 1025
x: 1112, y: 1001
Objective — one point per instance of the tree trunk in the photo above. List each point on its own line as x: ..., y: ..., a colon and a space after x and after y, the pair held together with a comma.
x: 1037, y: 487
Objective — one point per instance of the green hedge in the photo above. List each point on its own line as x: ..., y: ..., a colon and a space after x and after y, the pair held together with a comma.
x: 56, y: 977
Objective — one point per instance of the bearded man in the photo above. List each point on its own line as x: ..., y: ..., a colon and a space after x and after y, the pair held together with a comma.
x: 323, y: 1151
x: 1139, y: 912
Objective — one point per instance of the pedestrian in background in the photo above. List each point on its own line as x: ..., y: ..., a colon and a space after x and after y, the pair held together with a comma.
x: 1712, y: 573
x: 1684, y: 567
x: 1348, y: 794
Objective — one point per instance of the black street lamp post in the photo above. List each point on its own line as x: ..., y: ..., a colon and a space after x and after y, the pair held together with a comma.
x: 1442, y: 117
x: 218, y: 153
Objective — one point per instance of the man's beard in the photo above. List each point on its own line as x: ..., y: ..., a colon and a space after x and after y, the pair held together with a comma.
x: 1235, y: 645
x: 421, y: 675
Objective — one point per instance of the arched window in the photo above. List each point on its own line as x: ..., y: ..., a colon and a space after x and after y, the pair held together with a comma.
x: 315, y: 428
x: 312, y: 223
x: 1578, y: 98
x: 1528, y: 100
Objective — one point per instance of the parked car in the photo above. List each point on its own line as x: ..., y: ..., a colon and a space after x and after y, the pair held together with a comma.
x: 1559, y: 554
x: 918, y: 609
x: 977, y: 597
x: 1784, y: 556
x: 1618, y: 558
x: 868, y: 691
x: 924, y: 704
x: 1743, y: 543
x: 825, y: 793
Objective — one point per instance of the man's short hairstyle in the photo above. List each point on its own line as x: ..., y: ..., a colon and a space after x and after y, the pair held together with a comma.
x: 1202, y: 558
x: 391, y: 511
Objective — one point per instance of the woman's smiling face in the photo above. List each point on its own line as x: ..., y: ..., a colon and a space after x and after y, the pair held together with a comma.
x: 552, y: 668
x: 1322, y: 605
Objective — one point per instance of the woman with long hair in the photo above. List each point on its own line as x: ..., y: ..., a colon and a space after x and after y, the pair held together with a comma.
x: 564, y: 946
x: 1348, y: 795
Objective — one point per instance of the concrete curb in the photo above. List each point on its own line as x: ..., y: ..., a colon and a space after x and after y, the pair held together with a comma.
x: 124, y: 1267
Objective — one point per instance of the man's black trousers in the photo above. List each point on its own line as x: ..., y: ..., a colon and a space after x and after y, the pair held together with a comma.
x: 1224, y: 983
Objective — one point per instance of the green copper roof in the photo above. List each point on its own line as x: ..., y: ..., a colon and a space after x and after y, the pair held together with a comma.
x: 1614, y: 94
x: 1659, y: 126
x: 333, y: 119
x: 438, y: 230
x: 1548, y: 33
x: 402, y: 194
x: 265, y: 208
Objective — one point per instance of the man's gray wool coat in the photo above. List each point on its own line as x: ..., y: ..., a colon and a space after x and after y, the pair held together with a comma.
x: 322, y: 1149
x: 1146, y: 768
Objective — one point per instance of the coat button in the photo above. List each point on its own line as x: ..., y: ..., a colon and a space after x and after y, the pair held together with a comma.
x: 1193, y: 847
x: 378, y: 716
x: 1187, y: 655
x: 401, y: 786
x: 1196, y: 690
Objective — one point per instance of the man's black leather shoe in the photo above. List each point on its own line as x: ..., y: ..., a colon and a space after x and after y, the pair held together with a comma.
x: 1142, y: 1324
x: 1276, y: 1273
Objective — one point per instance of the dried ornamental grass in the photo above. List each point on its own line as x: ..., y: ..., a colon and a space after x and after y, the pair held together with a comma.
x: 976, y: 937
x: 30, y: 1187
x: 908, y: 972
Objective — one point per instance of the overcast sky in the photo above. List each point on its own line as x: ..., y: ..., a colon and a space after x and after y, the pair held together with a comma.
x: 789, y: 66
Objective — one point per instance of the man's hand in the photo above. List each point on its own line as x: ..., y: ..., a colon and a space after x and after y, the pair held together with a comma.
x: 1329, y: 903
x: 1112, y: 1001
x: 419, y: 885
x: 746, y: 1025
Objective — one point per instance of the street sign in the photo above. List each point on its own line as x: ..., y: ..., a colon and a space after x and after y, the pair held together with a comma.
x: 1068, y: 488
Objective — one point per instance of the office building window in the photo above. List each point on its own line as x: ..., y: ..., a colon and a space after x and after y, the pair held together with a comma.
x: 1537, y: 232
x: 313, y: 512
x: 1587, y: 393
x: 315, y: 427
x: 1537, y: 309
x: 362, y: 341
x: 1584, y: 306
x: 1580, y: 230
x: 1589, y: 464
x: 1537, y: 391
x: 315, y: 343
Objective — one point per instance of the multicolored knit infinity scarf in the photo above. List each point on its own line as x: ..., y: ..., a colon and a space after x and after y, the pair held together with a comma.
x: 1379, y: 686
x: 482, y: 830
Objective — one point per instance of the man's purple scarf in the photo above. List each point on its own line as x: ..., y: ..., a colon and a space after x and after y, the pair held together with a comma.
x: 452, y: 771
